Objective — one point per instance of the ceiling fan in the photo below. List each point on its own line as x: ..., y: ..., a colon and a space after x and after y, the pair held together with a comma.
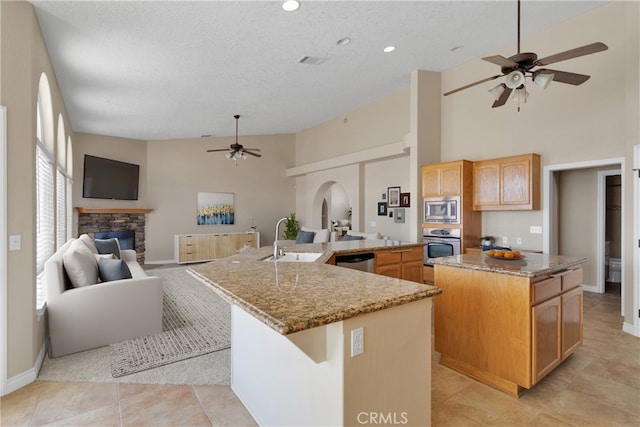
x: 237, y: 151
x: 521, y: 65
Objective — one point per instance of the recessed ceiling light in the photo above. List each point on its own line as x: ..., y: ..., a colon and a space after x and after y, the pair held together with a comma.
x: 389, y: 49
x: 291, y: 5
x: 457, y: 48
x: 343, y: 41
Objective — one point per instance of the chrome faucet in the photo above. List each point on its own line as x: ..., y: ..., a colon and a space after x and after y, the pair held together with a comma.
x: 275, y: 241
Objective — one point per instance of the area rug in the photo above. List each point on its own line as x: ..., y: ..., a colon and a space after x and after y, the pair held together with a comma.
x: 95, y: 365
x: 195, y: 321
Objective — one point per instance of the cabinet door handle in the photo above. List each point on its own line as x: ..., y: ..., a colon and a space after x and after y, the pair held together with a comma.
x: 399, y: 251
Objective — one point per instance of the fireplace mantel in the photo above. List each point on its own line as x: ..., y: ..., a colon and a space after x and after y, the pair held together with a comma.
x: 84, y: 210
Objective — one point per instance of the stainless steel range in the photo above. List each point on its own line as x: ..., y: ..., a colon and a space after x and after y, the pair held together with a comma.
x: 440, y: 242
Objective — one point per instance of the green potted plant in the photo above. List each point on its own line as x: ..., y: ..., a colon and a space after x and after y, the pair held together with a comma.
x: 487, y: 240
x: 291, y: 227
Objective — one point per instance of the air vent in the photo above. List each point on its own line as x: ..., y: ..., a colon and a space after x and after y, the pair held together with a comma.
x: 311, y: 60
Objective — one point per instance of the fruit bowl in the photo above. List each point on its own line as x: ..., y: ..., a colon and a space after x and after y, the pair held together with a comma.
x: 512, y: 255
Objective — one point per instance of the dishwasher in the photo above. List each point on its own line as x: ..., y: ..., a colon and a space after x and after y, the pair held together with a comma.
x: 362, y: 262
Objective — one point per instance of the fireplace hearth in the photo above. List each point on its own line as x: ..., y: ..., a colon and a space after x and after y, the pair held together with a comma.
x: 103, y: 222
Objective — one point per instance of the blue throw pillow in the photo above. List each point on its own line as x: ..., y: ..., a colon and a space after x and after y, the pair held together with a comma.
x: 113, y: 269
x: 305, y: 236
x: 350, y: 237
x: 108, y: 246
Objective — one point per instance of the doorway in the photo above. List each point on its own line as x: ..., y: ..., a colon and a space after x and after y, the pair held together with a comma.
x: 574, y: 216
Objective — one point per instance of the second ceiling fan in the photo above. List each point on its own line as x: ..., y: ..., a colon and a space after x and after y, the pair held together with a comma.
x: 521, y: 65
x: 237, y: 151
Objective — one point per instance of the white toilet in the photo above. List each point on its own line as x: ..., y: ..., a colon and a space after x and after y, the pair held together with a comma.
x: 615, y: 271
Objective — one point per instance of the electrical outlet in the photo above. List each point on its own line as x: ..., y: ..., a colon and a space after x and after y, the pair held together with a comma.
x: 535, y: 229
x: 505, y: 240
x: 518, y: 240
x: 357, y: 341
x: 15, y: 242
x: 373, y: 224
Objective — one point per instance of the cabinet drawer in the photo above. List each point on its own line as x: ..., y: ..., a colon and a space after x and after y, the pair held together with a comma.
x: 412, y: 254
x: 545, y: 289
x: 571, y: 279
x: 388, y: 257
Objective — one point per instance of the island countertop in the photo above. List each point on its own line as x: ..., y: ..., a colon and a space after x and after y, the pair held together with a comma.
x: 532, y: 265
x: 293, y: 296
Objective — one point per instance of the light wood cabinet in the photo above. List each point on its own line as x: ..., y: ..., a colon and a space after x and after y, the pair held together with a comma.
x: 442, y: 179
x: 507, y: 331
x: 206, y: 247
x: 508, y: 183
x: 405, y: 263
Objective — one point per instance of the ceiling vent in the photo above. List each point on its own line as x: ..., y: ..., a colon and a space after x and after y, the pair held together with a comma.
x: 311, y: 60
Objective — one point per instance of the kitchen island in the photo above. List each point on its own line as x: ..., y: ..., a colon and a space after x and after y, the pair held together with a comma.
x: 508, y: 323
x: 292, y: 327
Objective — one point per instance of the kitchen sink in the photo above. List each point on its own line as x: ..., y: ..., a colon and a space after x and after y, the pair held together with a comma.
x: 297, y: 257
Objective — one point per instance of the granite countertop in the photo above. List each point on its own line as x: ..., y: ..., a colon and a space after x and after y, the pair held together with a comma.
x: 294, y: 296
x: 532, y: 265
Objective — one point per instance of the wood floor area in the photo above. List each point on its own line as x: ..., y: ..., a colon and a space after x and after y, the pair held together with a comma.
x: 598, y: 386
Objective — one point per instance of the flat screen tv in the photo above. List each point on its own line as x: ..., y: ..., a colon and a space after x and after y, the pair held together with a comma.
x: 109, y: 179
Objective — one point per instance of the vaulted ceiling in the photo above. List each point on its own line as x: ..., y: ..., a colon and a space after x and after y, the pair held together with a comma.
x: 178, y: 69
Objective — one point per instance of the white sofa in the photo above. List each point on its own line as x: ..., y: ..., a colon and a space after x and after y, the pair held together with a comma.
x: 82, y: 318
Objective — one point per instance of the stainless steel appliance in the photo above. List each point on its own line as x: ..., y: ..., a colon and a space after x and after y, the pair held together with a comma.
x: 362, y: 262
x: 440, y: 242
x: 445, y: 210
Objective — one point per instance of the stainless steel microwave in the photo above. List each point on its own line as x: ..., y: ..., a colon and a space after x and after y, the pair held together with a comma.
x: 442, y: 210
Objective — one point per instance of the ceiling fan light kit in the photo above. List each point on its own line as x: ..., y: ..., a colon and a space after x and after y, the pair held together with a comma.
x: 518, y: 67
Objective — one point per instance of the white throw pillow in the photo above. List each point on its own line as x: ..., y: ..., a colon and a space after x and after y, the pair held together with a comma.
x: 364, y: 235
x: 322, y: 235
x: 81, y: 265
x: 84, y: 238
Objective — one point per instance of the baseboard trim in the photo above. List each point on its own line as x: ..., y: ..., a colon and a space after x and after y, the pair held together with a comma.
x: 628, y: 328
x: 166, y: 261
x: 590, y: 288
x: 27, y: 377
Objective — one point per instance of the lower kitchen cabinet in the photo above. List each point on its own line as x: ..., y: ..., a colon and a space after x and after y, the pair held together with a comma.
x: 206, y: 247
x: 406, y: 263
x: 506, y: 330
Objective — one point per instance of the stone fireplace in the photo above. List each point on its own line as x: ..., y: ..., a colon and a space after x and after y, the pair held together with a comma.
x: 97, y: 220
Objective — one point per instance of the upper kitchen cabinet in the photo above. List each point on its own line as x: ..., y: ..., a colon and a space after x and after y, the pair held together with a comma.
x: 442, y: 179
x: 507, y: 183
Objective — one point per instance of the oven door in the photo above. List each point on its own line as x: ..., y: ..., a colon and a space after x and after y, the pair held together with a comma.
x: 438, y: 247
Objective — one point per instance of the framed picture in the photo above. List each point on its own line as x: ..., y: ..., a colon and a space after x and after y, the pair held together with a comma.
x: 399, y: 216
x: 384, y: 196
x: 393, y: 197
x: 405, y: 200
x: 216, y: 209
x: 390, y: 213
x: 382, y: 208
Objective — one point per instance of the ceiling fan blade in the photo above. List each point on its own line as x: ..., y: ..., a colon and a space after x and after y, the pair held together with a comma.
x: 501, y: 61
x: 503, y: 98
x: 573, y: 53
x: 565, y: 77
x: 218, y: 149
x: 252, y: 149
x: 252, y: 154
x: 472, y: 84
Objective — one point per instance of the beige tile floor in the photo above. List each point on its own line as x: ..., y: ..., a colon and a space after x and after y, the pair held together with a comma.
x: 598, y: 386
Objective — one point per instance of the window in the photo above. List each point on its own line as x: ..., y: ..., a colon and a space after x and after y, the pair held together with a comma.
x: 61, y: 186
x: 45, y: 191
x: 44, y: 218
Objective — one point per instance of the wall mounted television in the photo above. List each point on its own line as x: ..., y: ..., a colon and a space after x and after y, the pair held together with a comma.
x: 109, y: 179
